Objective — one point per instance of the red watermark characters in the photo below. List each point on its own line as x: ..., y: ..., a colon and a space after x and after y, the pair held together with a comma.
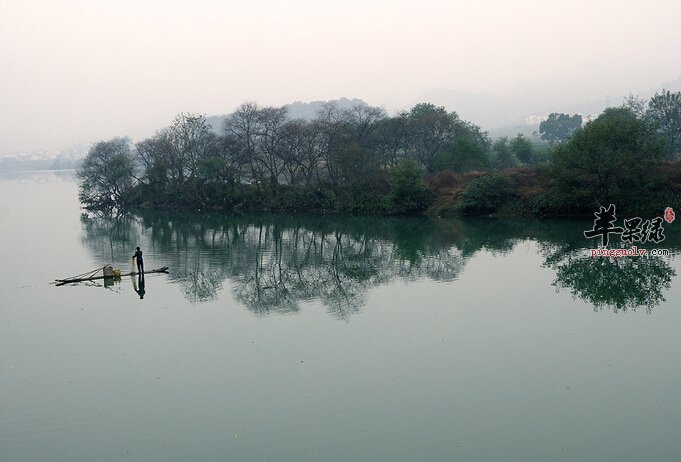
x: 669, y: 215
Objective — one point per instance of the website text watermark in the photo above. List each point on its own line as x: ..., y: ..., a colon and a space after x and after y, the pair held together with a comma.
x: 628, y: 252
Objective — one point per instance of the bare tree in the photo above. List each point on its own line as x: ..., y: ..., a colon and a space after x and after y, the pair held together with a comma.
x: 271, y: 143
x: 243, y: 126
x: 363, y: 121
x: 106, y: 175
x: 330, y: 123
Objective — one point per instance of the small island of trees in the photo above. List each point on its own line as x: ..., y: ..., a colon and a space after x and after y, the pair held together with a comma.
x: 358, y: 160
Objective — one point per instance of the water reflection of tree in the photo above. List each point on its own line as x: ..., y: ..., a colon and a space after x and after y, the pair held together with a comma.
x: 199, y: 284
x: 106, y: 230
x: 275, y: 263
x: 277, y: 267
x: 619, y: 284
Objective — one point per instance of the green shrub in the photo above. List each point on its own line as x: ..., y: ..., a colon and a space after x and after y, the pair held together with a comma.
x: 485, y: 195
x: 408, y: 193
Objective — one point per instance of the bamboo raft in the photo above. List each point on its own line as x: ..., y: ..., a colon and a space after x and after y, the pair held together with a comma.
x: 61, y: 282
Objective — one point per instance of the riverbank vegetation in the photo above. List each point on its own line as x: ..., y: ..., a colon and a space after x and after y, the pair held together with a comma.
x: 426, y: 160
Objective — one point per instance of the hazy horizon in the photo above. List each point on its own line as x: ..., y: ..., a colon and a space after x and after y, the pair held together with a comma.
x: 76, y: 72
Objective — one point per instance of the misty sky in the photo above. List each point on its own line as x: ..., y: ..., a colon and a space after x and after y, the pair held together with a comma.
x: 81, y: 71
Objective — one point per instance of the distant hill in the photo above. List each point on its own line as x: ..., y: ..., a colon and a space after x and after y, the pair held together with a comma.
x: 296, y: 110
x: 308, y: 111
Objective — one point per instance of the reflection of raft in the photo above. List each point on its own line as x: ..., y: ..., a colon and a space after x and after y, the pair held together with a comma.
x: 95, y: 275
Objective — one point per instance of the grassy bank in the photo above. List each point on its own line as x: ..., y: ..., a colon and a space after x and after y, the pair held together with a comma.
x: 535, y: 192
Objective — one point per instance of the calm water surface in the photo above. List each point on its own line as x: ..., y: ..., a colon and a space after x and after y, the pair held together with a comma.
x: 298, y: 338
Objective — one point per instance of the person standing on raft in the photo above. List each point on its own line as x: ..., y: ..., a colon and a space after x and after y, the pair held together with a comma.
x: 140, y: 262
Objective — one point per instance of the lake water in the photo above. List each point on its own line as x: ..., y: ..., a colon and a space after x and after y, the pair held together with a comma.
x: 286, y: 338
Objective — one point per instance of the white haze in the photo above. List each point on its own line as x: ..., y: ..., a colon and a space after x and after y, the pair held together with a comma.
x: 79, y: 71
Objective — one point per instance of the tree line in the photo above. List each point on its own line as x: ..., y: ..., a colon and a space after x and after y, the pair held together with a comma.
x: 360, y: 160
x: 344, y: 156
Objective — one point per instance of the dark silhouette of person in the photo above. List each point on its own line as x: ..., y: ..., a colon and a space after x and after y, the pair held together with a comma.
x: 140, y: 262
x: 140, y: 283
